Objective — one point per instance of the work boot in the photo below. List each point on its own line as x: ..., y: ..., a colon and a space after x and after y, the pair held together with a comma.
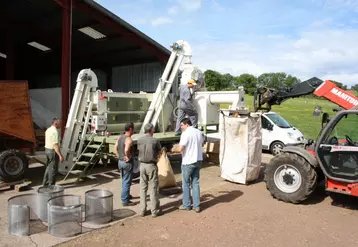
x: 129, y: 203
x: 157, y: 213
x: 184, y: 208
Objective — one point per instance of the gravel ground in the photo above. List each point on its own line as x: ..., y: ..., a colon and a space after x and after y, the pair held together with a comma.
x: 238, y: 215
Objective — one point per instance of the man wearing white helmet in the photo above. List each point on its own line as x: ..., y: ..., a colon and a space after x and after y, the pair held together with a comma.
x: 186, y: 107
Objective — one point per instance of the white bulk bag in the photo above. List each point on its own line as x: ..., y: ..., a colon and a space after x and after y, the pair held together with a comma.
x: 240, y: 147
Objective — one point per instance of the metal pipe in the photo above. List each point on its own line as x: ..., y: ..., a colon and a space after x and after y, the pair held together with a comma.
x: 227, y: 97
x: 66, y: 61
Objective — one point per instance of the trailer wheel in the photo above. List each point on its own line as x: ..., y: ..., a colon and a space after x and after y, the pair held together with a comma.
x: 290, y: 178
x: 13, y: 165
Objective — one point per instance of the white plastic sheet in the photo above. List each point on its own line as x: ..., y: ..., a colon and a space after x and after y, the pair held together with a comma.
x: 240, y: 147
x: 45, y: 105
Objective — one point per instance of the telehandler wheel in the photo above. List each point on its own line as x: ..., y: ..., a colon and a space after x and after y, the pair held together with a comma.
x: 290, y: 178
x: 13, y: 165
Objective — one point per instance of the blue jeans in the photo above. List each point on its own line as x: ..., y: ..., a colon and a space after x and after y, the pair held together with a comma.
x: 191, y: 176
x: 126, y: 169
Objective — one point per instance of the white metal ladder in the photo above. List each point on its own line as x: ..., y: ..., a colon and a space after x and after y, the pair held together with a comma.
x: 180, y: 49
x: 86, y: 82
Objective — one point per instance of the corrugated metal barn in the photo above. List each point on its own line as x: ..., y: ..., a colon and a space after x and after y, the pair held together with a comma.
x: 47, y: 42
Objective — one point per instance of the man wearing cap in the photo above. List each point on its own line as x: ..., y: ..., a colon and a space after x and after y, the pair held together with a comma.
x: 53, y: 152
x: 149, y: 149
x: 186, y: 107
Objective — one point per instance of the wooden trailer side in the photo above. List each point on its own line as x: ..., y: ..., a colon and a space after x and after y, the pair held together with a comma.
x: 16, y: 116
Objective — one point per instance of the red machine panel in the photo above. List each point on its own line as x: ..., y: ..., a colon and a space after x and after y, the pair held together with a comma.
x: 335, y: 94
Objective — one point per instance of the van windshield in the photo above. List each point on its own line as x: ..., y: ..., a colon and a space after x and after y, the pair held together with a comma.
x: 278, y: 120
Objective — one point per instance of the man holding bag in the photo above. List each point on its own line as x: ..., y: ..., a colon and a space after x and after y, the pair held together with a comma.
x: 191, y: 147
x: 149, y: 149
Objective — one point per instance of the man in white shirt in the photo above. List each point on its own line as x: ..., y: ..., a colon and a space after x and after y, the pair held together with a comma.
x: 53, y: 152
x: 191, y: 147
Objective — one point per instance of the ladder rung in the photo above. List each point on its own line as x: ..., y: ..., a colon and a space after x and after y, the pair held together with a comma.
x: 76, y: 171
x: 88, y: 155
x: 96, y: 146
x: 82, y: 163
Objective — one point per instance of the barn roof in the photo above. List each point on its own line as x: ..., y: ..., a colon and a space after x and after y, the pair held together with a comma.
x: 31, y: 35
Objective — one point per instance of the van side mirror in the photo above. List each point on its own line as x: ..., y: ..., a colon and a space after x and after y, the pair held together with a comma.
x: 270, y: 126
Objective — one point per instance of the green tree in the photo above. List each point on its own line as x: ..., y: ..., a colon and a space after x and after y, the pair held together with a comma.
x: 272, y: 80
x: 228, y: 81
x: 355, y: 87
x: 291, y: 80
x: 214, y: 81
x: 248, y: 81
x: 339, y: 84
x: 277, y: 80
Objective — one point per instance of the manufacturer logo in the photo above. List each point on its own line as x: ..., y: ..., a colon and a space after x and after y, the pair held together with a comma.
x: 344, y: 96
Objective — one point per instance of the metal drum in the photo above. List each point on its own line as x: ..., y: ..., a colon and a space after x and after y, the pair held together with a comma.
x: 46, y: 193
x: 20, y: 212
x: 65, y: 216
x: 98, y: 206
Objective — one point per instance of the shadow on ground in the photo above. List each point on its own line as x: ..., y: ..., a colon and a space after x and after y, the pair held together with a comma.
x: 37, y: 226
x: 207, y: 200
x: 101, y: 175
x: 118, y: 214
x: 344, y: 201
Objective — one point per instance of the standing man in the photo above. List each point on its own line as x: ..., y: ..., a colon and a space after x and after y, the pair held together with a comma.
x: 186, y: 106
x: 191, y: 147
x: 53, y: 152
x: 149, y: 149
x: 122, y: 149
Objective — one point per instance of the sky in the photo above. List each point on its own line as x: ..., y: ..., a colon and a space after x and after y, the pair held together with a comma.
x: 304, y: 38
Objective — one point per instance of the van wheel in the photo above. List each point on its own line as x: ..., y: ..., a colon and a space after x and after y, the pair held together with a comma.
x: 276, y: 148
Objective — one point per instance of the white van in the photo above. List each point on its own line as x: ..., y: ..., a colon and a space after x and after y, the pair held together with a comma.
x: 277, y: 133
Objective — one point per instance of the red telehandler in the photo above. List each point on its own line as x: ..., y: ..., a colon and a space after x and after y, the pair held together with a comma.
x: 292, y: 176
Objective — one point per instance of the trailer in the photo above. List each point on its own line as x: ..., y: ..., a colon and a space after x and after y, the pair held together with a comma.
x: 17, y: 136
x: 96, y: 118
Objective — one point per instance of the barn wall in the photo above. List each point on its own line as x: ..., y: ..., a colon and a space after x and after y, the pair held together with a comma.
x: 45, y: 91
x: 135, y: 78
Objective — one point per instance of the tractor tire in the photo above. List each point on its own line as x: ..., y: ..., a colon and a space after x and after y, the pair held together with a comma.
x: 13, y: 165
x: 290, y: 178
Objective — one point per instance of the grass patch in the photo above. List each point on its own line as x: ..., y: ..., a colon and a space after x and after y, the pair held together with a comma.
x: 299, y: 113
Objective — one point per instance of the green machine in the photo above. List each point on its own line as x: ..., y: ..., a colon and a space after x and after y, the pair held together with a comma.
x: 111, y: 111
